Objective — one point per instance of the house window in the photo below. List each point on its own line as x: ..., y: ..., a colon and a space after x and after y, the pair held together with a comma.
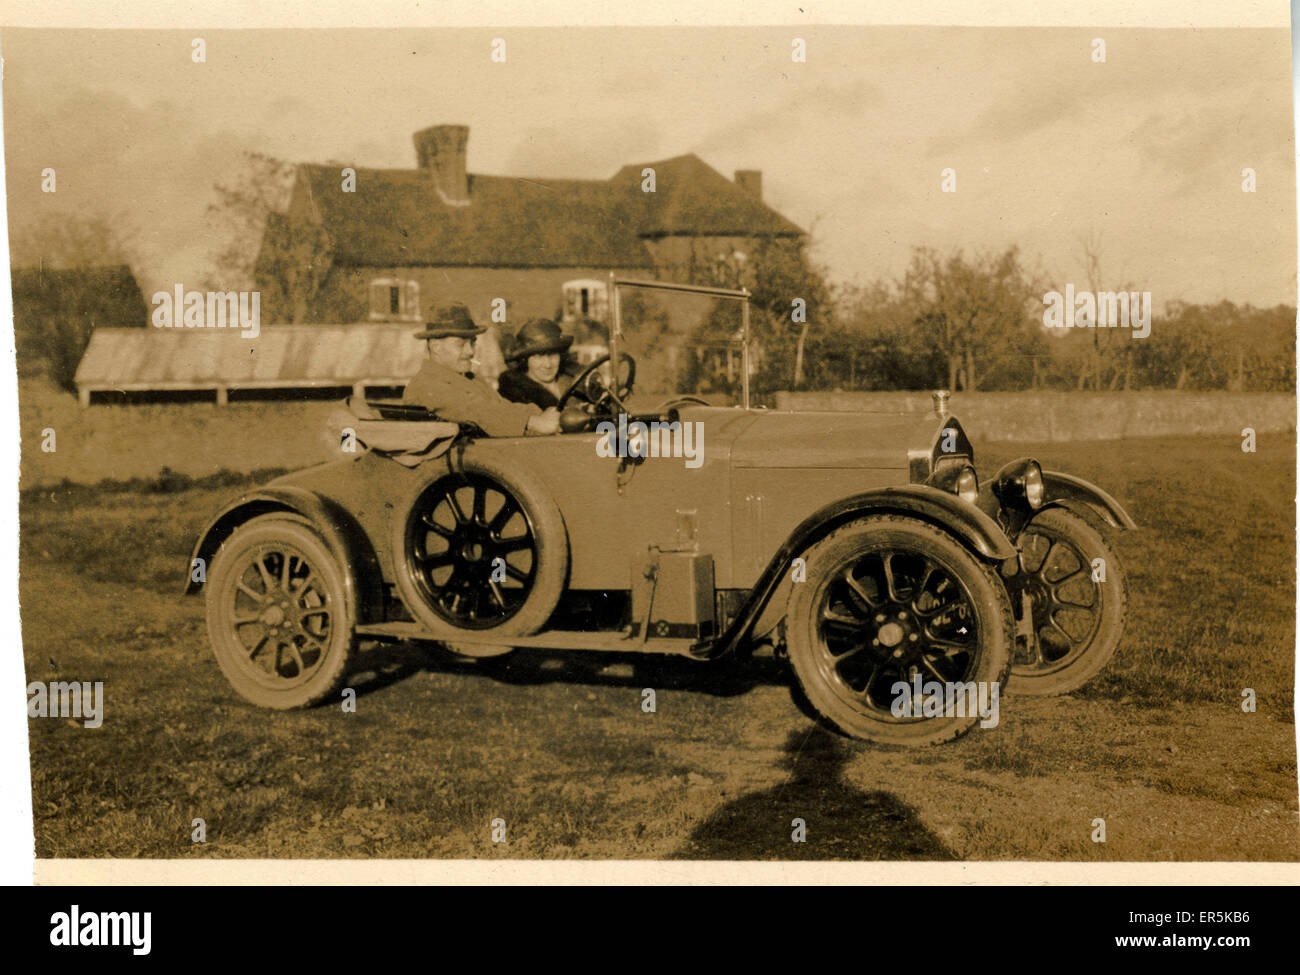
x: 394, y: 299
x: 586, y: 298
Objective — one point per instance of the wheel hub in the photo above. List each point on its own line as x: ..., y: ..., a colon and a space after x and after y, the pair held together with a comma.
x: 898, y: 632
x: 273, y: 616
x: 891, y: 634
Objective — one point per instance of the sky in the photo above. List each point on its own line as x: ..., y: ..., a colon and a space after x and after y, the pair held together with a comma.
x: 1143, y: 153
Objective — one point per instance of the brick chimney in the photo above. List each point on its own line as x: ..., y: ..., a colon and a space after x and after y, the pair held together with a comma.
x: 751, y: 181
x: 440, y: 150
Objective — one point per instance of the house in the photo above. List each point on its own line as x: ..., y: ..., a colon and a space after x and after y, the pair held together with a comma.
x: 385, y: 245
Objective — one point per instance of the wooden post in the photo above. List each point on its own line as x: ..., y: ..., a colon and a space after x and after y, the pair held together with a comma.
x: 221, y: 396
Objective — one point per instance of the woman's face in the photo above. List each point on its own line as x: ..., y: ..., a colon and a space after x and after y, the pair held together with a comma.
x: 544, y: 368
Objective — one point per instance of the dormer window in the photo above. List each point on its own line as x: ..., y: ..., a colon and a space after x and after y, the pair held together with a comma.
x: 394, y: 300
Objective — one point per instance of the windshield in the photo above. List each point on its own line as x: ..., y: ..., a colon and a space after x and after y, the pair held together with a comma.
x: 685, y: 339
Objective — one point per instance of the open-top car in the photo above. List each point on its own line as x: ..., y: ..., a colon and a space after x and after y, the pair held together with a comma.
x: 862, y: 547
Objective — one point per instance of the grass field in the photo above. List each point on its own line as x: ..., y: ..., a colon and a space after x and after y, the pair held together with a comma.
x: 557, y: 745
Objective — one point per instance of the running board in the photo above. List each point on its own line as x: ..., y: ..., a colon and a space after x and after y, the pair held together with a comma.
x: 608, y: 640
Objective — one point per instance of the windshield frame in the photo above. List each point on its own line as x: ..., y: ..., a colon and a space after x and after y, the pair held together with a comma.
x: 742, y: 295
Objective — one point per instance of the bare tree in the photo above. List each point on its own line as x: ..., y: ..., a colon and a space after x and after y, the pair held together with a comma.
x: 260, y: 188
x: 292, y: 267
x: 261, y: 247
x: 1108, y: 363
x: 975, y: 312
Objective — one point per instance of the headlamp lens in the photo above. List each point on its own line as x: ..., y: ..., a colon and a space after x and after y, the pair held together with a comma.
x: 968, y: 485
x: 1034, y: 485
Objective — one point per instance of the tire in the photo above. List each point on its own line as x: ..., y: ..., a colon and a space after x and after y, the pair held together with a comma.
x: 280, y: 648
x: 1071, y: 642
x: 460, y: 566
x: 853, y: 688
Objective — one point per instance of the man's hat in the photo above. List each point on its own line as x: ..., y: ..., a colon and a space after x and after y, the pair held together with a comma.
x: 538, y: 337
x: 451, y: 320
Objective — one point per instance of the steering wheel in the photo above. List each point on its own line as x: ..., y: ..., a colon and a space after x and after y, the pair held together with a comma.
x: 592, y: 387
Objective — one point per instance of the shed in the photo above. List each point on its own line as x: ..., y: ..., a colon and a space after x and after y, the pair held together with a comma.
x: 282, y: 357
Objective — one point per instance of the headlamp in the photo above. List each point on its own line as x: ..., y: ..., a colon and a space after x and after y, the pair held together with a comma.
x: 960, y: 480
x: 1020, y: 485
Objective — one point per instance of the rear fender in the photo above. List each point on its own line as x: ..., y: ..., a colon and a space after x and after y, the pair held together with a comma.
x: 345, y: 539
x: 966, y: 523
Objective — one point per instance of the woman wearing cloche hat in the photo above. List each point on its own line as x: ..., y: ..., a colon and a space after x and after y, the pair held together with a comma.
x: 536, y: 375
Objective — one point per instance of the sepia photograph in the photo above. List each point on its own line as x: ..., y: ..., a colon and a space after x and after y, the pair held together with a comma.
x: 656, y: 443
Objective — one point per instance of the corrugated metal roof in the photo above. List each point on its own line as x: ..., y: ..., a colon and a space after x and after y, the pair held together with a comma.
x: 282, y: 356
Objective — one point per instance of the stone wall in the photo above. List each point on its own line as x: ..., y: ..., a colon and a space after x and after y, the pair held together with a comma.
x: 1063, y: 416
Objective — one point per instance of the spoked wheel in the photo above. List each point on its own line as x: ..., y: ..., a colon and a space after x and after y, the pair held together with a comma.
x: 278, y: 614
x: 1077, y: 604
x: 888, y: 600
x: 482, y: 552
x: 472, y: 551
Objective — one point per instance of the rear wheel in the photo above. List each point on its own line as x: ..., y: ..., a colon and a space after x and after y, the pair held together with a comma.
x: 279, y: 616
x: 1078, y: 601
x: 889, y: 601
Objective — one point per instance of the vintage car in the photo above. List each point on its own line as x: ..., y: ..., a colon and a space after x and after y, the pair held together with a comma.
x: 861, y: 547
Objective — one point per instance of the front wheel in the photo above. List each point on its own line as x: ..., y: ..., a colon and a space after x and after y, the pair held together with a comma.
x: 279, y: 616
x: 1076, y: 604
x: 889, y: 605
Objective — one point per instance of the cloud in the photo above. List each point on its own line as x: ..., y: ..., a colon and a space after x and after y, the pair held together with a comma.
x: 587, y: 148
x: 808, y: 108
x: 1056, y: 83
x: 150, y: 168
x: 1148, y: 146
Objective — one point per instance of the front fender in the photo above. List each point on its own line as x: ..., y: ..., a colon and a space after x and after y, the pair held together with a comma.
x: 1068, y: 491
x: 342, y: 535
x: 967, y: 523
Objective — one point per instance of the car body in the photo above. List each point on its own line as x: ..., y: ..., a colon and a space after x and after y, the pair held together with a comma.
x: 685, y: 529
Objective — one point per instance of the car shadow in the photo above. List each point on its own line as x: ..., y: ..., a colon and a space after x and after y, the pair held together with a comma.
x: 840, y: 822
x: 388, y: 663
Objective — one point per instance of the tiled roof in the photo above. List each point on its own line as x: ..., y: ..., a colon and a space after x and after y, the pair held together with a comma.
x: 397, y: 218
x: 692, y: 198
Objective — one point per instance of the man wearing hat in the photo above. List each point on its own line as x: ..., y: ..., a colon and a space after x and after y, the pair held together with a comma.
x: 446, y: 386
x: 535, y: 376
